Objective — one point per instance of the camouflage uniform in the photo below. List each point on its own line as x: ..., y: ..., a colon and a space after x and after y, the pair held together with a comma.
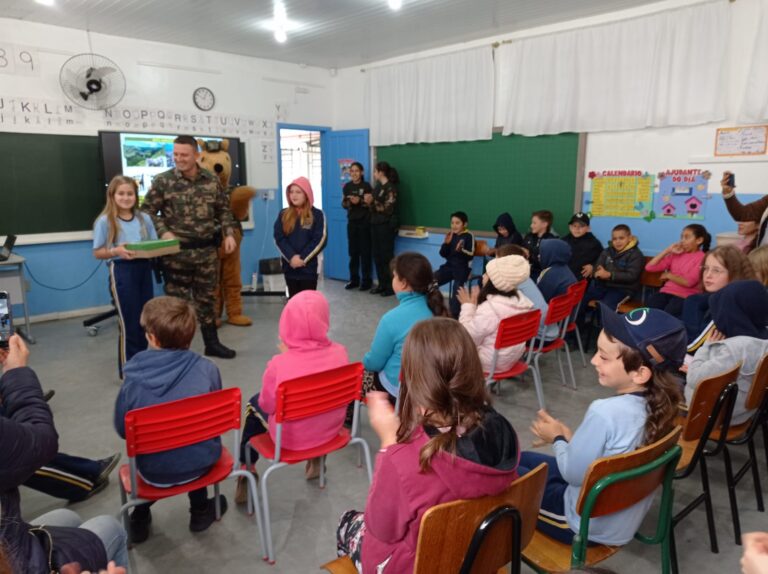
x: 197, y: 212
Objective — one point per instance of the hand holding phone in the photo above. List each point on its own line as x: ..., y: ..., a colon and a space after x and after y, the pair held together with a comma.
x: 6, y: 320
x: 15, y: 355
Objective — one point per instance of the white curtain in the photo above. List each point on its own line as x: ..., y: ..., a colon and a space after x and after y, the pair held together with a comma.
x: 443, y: 98
x: 754, y: 107
x: 664, y: 69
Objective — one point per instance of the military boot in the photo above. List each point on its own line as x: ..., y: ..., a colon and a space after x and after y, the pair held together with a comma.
x: 213, y: 347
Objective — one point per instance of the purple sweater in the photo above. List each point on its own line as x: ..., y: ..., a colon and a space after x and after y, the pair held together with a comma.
x: 401, y: 494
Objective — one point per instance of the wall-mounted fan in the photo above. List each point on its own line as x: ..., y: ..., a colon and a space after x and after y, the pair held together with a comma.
x: 92, y: 81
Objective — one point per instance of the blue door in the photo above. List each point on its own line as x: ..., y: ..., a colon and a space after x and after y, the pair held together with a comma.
x: 339, y: 148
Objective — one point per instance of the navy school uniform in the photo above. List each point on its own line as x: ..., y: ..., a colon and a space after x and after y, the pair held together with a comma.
x: 531, y: 242
x: 458, y: 254
x: 306, y: 241
x: 130, y: 282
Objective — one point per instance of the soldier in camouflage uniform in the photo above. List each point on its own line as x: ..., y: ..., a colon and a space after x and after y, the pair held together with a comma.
x: 188, y: 203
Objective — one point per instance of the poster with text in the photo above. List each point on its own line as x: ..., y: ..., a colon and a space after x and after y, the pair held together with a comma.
x: 621, y: 193
x: 683, y: 194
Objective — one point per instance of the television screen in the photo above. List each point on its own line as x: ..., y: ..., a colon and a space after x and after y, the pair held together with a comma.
x: 142, y: 156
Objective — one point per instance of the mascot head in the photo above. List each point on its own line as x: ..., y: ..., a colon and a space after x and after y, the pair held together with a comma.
x: 214, y: 157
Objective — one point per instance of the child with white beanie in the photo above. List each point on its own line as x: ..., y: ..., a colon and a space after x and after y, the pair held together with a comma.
x: 482, y: 309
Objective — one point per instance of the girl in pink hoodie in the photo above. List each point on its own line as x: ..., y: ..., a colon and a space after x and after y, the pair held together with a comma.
x: 445, y: 443
x: 304, y: 349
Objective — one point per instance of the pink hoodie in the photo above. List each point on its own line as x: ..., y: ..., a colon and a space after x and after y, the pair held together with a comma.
x: 304, y: 330
x: 305, y: 186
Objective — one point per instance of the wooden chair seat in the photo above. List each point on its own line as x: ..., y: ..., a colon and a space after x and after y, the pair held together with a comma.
x: 343, y: 565
x: 734, y: 431
x: 552, y: 556
x: 689, y: 448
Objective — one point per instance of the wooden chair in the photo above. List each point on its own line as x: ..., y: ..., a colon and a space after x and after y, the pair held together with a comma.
x: 515, y: 331
x: 649, y: 281
x: 558, y: 313
x: 301, y: 398
x: 577, y: 291
x: 174, y: 425
x: 612, y: 484
x: 711, y: 407
x: 744, y: 433
x: 460, y: 522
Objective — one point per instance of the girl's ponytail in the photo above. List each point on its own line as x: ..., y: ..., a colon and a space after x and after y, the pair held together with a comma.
x: 416, y: 271
x: 699, y: 231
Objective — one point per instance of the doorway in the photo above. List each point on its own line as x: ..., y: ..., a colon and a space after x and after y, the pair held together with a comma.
x: 301, y: 156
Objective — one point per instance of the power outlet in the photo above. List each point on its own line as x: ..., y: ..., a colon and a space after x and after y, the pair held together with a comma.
x: 268, y: 194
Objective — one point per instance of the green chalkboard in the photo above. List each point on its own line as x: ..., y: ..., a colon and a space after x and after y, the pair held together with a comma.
x: 485, y: 178
x: 49, y: 183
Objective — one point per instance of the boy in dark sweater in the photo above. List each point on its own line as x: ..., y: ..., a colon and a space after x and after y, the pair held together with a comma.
x: 169, y: 371
x: 458, y: 249
x: 541, y: 228
x: 618, y: 269
x: 585, y: 247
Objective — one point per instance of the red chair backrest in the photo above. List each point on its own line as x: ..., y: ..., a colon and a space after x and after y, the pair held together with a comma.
x: 181, y: 423
x: 559, y: 308
x: 518, y: 329
x: 577, y: 290
x: 318, y: 393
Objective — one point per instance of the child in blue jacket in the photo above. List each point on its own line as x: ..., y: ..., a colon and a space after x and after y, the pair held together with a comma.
x: 458, y: 249
x: 300, y: 235
x: 169, y: 371
x: 556, y: 276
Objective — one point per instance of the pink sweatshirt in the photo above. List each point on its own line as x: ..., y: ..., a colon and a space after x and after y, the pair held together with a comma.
x: 685, y: 265
x: 401, y: 493
x: 304, y: 330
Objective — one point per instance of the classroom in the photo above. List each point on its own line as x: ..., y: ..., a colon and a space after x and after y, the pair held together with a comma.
x: 600, y: 112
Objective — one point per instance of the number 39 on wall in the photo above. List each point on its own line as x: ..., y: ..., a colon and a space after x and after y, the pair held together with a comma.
x: 19, y: 60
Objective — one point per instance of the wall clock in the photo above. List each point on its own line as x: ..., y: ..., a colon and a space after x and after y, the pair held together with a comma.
x: 204, y: 99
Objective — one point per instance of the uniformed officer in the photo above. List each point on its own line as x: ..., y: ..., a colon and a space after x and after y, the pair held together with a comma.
x: 188, y: 203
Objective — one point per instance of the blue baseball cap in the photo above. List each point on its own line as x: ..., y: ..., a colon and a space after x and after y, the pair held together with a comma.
x: 659, y: 337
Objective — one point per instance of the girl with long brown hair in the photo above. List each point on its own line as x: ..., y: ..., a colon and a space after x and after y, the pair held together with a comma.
x: 637, y: 357
x: 300, y: 235
x: 130, y: 280
x: 444, y: 443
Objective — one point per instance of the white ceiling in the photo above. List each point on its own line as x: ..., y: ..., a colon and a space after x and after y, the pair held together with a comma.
x: 332, y: 33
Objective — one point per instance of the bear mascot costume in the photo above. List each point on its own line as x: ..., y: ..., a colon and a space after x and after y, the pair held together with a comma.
x: 215, y: 158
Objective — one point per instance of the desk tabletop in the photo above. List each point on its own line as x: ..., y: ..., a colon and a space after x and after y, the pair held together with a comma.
x: 13, y: 260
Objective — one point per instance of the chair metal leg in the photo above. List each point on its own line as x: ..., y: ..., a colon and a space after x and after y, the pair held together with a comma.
x: 560, y: 366
x: 581, y: 348
x: 253, y: 499
x: 765, y: 438
x: 708, y: 506
x: 265, y: 508
x: 537, y: 381
x: 216, y: 501
x: 673, y: 550
x: 322, y: 471
x: 570, y: 366
x: 755, y: 474
x: 365, y: 451
x: 731, y: 482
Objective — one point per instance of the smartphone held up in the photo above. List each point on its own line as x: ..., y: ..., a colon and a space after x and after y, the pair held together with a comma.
x: 6, y: 320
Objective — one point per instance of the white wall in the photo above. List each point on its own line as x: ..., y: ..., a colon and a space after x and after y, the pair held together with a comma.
x: 242, y: 85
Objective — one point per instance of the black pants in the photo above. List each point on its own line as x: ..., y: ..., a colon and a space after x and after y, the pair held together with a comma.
x: 672, y: 304
x: 383, y: 248
x: 66, y: 476
x: 131, y: 285
x: 359, y: 240
x: 198, y: 500
x: 299, y: 285
x: 459, y: 276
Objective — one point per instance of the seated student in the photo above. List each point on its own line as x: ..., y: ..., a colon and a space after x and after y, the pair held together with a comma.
x: 722, y: 265
x: 506, y: 233
x: 483, y: 309
x: 637, y: 356
x: 457, y: 249
x: 28, y: 439
x: 541, y: 228
x: 169, y: 371
x: 304, y: 349
x: 618, y: 269
x: 585, y: 247
x: 418, y: 298
x: 555, y: 276
x: 445, y: 443
x: 759, y: 260
x: 681, y: 266
x: 531, y: 291
x: 740, y: 313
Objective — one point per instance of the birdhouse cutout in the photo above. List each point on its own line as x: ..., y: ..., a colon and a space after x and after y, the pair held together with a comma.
x: 668, y: 210
x: 693, y: 205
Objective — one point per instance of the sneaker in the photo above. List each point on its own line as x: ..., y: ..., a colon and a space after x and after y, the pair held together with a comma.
x: 49, y: 395
x: 202, y: 519
x: 366, y: 286
x: 140, y: 523
x: 107, y: 466
x: 351, y: 285
x: 376, y: 290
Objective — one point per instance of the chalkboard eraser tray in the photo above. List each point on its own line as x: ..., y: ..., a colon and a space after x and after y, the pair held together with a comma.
x: 154, y: 248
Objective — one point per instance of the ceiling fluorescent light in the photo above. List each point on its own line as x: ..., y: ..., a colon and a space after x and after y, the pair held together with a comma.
x: 46, y: 2
x: 280, y: 35
x: 281, y: 21
x: 395, y: 4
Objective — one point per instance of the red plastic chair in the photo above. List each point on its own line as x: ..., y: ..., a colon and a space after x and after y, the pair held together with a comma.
x: 514, y: 331
x: 302, y: 398
x: 559, y: 313
x: 577, y: 291
x: 176, y: 424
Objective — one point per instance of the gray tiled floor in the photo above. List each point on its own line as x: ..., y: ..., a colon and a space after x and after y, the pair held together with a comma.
x: 81, y: 369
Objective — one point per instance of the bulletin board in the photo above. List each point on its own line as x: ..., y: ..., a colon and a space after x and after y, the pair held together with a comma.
x: 621, y: 193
